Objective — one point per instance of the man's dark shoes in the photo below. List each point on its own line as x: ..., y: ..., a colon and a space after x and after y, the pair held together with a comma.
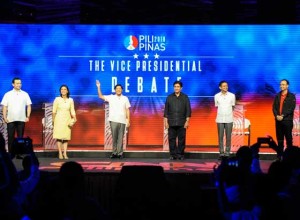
x: 221, y: 156
x: 120, y: 156
x: 172, y: 158
x: 181, y: 157
x: 113, y: 156
x: 227, y: 155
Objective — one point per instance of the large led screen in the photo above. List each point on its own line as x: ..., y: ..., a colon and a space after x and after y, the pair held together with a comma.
x: 146, y: 60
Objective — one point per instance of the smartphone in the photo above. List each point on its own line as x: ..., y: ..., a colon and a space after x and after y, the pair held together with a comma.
x: 233, y: 162
x: 263, y: 140
x: 20, y: 140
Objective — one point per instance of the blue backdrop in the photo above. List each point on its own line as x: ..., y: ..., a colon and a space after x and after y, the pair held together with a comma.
x: 147, y: 59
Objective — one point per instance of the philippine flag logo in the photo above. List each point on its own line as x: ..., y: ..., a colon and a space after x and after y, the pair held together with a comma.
x: 131, y: 42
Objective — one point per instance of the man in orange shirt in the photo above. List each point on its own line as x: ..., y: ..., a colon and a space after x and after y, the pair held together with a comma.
x: 283, y: 109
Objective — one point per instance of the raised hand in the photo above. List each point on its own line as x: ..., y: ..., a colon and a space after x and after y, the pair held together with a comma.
x: 98, y: 83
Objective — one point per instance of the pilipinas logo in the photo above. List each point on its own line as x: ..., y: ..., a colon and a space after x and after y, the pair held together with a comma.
x: 131, y: 42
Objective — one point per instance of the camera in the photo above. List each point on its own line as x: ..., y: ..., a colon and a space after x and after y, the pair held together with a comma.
x: 263, y: 140
x: 20, y: 140
x: 22, y: 146
x: 233, y: 162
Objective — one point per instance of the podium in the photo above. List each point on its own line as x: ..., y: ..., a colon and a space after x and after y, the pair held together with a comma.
x: 296, y: 127
x: 48, y: 142
x: 107, y: 131
x: 238, y: 128
x: 3, y: 128
x: 165, y: 139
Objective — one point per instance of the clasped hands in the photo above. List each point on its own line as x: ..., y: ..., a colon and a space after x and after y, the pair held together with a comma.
x: 279, y: 117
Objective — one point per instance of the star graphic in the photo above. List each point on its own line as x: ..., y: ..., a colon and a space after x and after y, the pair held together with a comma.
x: 156, y: 56
x: 135, y: 56
x: 146, y: 56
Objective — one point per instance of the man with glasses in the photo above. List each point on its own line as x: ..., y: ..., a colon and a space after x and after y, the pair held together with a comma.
x: 283, y: 110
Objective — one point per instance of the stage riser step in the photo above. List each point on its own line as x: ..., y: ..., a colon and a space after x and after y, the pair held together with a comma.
x: 132, y: 154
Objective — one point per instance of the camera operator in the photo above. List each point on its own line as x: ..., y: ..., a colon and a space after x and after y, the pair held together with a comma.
x: 284, y: 186
x: 238, y: 181
x: 12, y: 198
x: 30, y: 175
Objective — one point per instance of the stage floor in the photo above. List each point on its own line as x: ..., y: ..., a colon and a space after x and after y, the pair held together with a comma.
x: 150, y: 148
x: 96, y: 159
x: 106, y: 165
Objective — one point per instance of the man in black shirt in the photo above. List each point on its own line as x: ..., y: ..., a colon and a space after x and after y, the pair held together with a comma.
x: 177, y: 115
x: 283, y: 110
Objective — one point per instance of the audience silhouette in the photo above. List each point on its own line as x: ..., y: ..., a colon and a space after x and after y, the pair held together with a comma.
x: 65, y: 197
x: 12, y: 196
x: 245, y: 192
x: 143, y: 192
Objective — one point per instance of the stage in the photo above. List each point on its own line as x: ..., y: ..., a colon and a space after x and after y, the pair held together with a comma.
x: 96, y: 159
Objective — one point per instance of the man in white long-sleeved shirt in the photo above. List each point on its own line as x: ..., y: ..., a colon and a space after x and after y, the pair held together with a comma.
x: 225, y: 102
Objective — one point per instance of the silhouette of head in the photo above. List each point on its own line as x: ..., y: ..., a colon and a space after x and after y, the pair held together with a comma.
x: 244, y: 156
x: 71, y: 175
